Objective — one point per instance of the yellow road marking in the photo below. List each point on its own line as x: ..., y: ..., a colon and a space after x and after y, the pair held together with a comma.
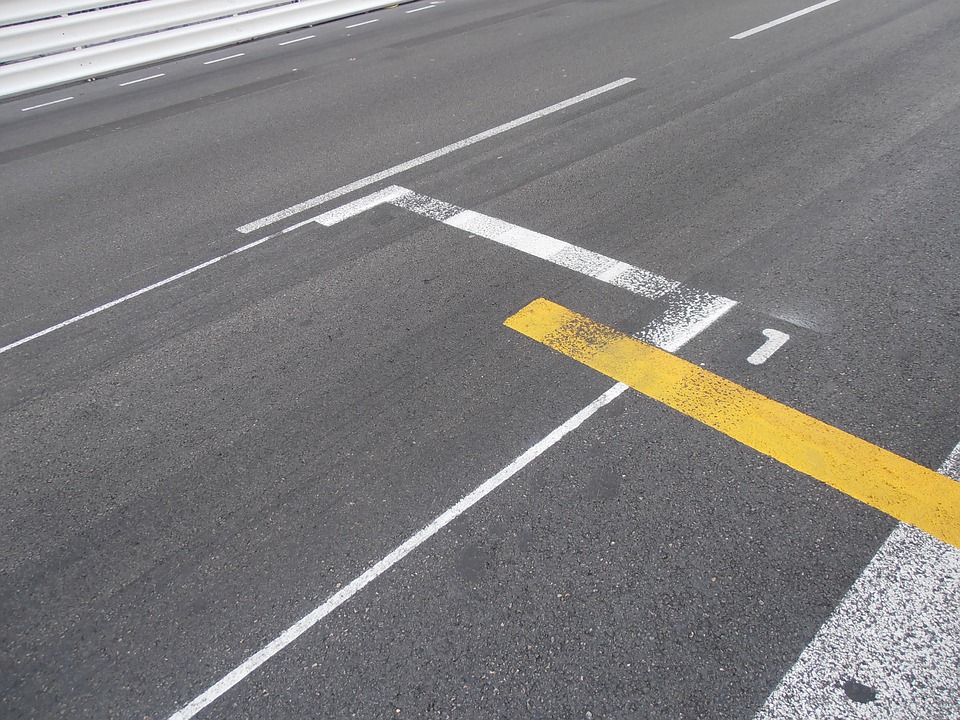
x: 888, y: 482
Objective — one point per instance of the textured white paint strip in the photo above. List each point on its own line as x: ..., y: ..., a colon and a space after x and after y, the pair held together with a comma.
x: 897, y: 632
x: 41, y: 105
x: 775, y: 341
x: 396, y: 555
x: 780, y: 21
x: 689, y: 311
x: 447, y: 149
x: 365, y: 22
x: 136, y: 293
x: 140, y: 80
x: 425, y: 7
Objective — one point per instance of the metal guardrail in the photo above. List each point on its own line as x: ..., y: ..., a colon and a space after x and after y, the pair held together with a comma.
x: 40, y: 50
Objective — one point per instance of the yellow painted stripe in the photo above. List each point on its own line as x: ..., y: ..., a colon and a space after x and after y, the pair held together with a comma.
x: 888, y: 482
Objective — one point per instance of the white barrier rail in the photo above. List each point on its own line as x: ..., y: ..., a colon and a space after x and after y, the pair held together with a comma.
x: 168, y: 36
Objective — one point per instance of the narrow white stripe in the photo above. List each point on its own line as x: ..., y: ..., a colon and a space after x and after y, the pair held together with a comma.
x: 332, y: 217
x: 425, y: 7
x: 365, y: 22
x: 296, y: 40
x: 775, y: 341
x: 447, y: 149
x: 897, y: 632
x: 136, y: 293
x: 52, y: 102
x: 396, y: 555
x: 228, y: 57
x: 780, y: 21
x: 140, y: 80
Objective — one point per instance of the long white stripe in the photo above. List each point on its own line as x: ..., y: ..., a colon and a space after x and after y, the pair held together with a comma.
x: 135, y: 293
x: 895, y: 638
x: 391, y: 559
x: 446, y: 150
x: 780, y: 21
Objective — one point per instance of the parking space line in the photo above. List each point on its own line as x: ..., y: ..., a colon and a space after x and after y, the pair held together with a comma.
x: 396, y: 555
x: 689, y: 311
x: 890, y: 483
x: 780, y: 21
x: 428, y: 157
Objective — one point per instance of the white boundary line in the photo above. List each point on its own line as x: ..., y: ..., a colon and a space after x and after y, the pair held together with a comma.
x: 896, y: 632
x: 143, y: 79
x: 780, y: 21
x: 396, y: 555
x: 135, y: 293
x: 446, y: 150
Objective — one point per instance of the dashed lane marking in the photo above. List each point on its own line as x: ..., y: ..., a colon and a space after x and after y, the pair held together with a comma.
x: 901, y: 488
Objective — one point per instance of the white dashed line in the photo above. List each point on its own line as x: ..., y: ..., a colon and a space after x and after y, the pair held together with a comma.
x: 365, y: 22
x: 228, y: 57
x: 52, y: 102
x: 447, y: 149
x: 140, y: 80
x: 780, y: 21
x: 425, y: 7
x: 296, y: 40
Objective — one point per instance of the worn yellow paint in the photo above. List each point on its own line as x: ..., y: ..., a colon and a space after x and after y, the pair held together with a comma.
x: 888, y: 482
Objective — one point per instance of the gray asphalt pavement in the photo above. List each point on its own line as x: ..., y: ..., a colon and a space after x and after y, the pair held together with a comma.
x: 188, y: 473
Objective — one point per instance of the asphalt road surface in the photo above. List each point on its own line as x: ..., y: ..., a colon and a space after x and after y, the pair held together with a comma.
x: 319, y: 477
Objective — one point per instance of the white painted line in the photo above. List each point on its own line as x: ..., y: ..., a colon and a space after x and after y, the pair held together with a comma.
x: 136, y: 293
x: 891, y: 648
x: 775, y: 341
x: 308, y: 621
x: 396, y: 555
x: 228, y: 57
x: 425, y: 7
x: 446, y: 150
x: 296, y: 40
x: 365, y: 22
x: 951, y: 466
x: 358, y: 206
x: 52, y: 102
x: 780, y: 21
x: 689, y: 311
x: 149, y: 77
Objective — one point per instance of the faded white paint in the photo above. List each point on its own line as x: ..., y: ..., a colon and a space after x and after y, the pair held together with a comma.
x: 897, y: 632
